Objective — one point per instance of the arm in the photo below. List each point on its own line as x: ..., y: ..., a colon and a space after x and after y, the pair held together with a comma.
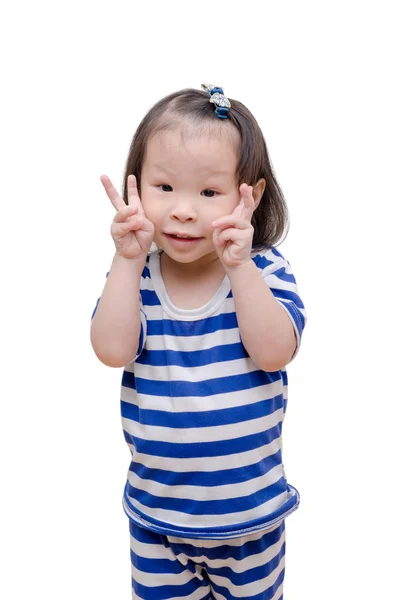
x: 269, y: 312
x: 116, y: 323
x: 265, y: 328
x: 115, y: 327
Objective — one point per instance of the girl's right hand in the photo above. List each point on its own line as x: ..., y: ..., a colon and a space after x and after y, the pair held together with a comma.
x: 131, y: 231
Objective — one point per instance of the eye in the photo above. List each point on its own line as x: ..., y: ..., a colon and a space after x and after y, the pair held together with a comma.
x: 165, y: 187
x: 208, y: 193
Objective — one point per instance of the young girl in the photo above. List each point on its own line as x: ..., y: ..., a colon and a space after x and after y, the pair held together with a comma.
x: 204, y: 327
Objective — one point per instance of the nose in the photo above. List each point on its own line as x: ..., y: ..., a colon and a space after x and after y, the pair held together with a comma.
x: 183, y: 210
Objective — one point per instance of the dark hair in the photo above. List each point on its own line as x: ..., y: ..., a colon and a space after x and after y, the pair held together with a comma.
x: 270, y: 219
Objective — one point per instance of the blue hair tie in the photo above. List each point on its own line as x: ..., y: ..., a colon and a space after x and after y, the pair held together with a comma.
x: 218, y: 98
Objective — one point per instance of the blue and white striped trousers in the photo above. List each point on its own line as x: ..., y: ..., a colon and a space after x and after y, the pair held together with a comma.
x: 171, y: 568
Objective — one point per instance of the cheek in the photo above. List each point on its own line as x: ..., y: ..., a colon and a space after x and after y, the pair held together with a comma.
x: 150, y: 206
x: 147, y: 208
x: 227, y: 207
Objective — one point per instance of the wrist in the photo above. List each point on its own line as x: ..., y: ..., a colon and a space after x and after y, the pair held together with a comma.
x: 127, y: 268
x: 244, y: 269
x: 119, y: 259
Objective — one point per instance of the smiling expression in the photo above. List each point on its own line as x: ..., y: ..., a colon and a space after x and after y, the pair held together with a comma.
x: 189, y: 180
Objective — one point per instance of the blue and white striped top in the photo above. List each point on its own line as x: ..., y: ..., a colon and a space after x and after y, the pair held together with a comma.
x: 203, y: 423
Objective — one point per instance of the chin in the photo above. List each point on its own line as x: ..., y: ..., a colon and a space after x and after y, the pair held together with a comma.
x: 180, y: 258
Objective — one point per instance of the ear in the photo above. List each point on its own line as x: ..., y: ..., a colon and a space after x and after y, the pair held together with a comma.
x: 257, y: 191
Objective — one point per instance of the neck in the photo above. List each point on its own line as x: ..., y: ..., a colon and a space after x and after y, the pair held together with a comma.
x: 189, y: 271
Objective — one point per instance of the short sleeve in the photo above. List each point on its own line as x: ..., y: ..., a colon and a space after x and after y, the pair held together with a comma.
x: 143, y: 330
x: 142, y: 334
x: 277, y: 273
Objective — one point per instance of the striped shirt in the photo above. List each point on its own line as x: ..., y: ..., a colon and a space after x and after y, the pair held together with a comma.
x: 203, y: 423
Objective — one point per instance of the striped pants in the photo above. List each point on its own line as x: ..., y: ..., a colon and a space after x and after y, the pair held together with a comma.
x: 170, y: 568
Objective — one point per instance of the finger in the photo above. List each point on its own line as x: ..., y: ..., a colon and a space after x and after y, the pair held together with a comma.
x: 231, y: 221
x: 232, y: 235
x: 125, y: 214
x: 133, y: 196
x: 112, y: 193
x: 120, y: 229
x: 147, y: 225
x: 247, y: 204
x: 132, y: 225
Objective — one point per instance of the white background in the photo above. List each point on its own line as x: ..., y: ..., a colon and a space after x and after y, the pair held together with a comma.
x: 77, y: 78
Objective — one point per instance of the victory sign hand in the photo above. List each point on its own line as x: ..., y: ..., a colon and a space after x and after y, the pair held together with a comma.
x: 233, y: 233
x: 131, y: 231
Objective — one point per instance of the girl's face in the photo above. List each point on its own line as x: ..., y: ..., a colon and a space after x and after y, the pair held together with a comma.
x: 187, y: 182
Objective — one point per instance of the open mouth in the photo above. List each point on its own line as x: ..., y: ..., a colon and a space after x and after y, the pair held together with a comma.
x: 182, y: 237
x: 182, y: 241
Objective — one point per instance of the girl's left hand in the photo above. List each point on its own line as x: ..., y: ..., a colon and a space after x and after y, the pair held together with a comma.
x: 233, y: 234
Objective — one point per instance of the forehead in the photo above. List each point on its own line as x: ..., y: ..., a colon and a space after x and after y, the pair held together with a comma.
x: 205, y: 148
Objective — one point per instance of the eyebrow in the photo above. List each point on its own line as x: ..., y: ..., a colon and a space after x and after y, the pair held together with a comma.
x: 204, y: 173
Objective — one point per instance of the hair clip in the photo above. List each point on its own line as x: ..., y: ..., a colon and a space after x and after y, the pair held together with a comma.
x: 218, y: 98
